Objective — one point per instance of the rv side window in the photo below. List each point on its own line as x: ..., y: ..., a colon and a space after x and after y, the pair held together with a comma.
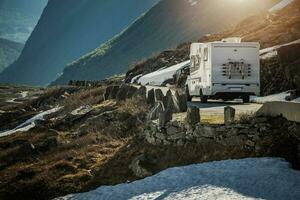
x: 205, y: 54
x: 192, y: 68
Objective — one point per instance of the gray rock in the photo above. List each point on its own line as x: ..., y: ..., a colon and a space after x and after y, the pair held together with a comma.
x: 168, y: 101
x: 122, y: 93
x: 150, y: 97
x: 130, y: 91
x: 114, y: 91
x: 138, y: 169
x: 141, y: 92
x: 171, y: 130
x: 180, y: 102
x: 164, y: 117
x: 180, y: 142
x: 158, y: 94
x: 193, y: 116
x: 207, y: 131
x: 154, y: 112
x: 250, y: 143
x: 160, y: 135
x: 107, y: 92
x: 177, y: 136
x: 229, y: 114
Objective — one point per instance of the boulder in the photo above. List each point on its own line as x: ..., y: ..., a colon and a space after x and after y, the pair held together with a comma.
x: 113, y: 92
x: 141, y: 92
x: 229, y: 114
x: 180, y: 102
x: 150, y: 97
x: 138, y: 169
x: 208, y: 132
x: 158, y: 94
x: 164, y: 117
x: 168, y: 101
x: 192, y: 116
x: 122, y: 93
x: 107, y: 93
x: 158, y: 108
x: 130, y: 91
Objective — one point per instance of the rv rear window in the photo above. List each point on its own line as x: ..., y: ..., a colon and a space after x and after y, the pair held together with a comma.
x: 205, y: 54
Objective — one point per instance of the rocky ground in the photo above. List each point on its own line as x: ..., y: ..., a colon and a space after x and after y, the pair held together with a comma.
x: 100, y: 136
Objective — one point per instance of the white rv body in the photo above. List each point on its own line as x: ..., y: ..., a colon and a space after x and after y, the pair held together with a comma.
x: 224, y: 70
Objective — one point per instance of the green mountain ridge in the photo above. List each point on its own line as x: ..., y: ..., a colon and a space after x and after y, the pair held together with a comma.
x: 166, y: 25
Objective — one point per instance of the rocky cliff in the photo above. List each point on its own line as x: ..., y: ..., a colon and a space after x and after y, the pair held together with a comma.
x: 67, y: 30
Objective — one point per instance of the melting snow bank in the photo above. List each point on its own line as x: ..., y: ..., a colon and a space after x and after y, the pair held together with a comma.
x: 272, y: 51
x: 275, y: 97
x: 30, y: 123
x: 282, y: 4
x: 252, y: 178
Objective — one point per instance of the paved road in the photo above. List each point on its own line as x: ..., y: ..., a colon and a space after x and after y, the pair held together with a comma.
x: 215, y: 107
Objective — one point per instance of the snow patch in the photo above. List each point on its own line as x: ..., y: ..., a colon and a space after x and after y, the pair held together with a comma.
x: 30, y: 123
x: 282, y: 4
x: 158, y: 77
x: 252, y: 178
x: 24, y: 94
x: 272, y: 51
x: 275, y: 97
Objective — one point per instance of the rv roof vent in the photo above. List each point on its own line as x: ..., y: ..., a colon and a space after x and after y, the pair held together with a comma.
x: 233, y: 40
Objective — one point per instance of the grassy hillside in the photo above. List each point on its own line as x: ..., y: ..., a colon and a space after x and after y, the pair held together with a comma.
x: 67, y: 30
x: 168, y: 24
x: 9, y: 52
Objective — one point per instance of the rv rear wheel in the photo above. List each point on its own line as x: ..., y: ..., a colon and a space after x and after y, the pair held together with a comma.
x: 246, y: 99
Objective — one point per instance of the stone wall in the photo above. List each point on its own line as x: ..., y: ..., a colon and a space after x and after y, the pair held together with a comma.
x: 256, y: 135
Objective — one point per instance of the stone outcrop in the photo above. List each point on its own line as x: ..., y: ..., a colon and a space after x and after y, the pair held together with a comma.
x: 192, y: 116
x: 180, y: 102
x: 138, y: 169
x: 154, y: 112
x: 158, y: 94
x: 151, y: 97
x: 229, y: 114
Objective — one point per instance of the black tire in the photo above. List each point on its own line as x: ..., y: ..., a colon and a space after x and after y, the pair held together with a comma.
x: 188, y: 96
x: 203, y: 99
x: 246, y: 99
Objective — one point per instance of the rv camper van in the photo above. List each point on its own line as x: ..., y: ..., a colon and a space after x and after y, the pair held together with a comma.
x: 229, y: 69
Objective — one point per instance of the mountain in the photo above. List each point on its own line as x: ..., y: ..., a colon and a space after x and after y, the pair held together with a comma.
x: 9, y: 52
x: 18, y: 18
x: 67, y: 30
x: 167, y: 24
x: 276, y: 31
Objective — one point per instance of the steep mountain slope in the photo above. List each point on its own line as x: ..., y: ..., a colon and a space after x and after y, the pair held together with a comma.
x: 167, y: 24
x: 269, y: 29
x: 67, y: 30
x: 9, y: 52
x: 18, y: 18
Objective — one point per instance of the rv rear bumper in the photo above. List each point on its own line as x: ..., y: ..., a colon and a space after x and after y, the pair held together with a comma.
x: 236, y: 90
